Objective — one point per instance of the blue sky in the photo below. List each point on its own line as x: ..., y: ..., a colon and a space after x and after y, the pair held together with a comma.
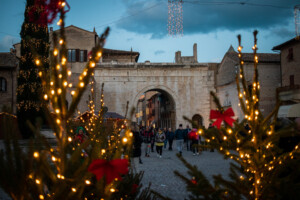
x: 142, y: 25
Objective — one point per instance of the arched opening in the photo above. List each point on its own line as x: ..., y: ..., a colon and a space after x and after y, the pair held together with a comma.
x: 198, y: 120
x: 156, y: 108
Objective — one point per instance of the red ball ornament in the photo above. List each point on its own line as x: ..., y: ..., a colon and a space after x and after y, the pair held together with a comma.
x: 194, y: 181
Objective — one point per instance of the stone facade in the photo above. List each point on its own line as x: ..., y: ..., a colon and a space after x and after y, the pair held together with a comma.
x: 187, y: 82
x: 289, y: 92
x: 269, y: 79
x: 79, y: 43
x: 8, y: 81
x: 290, y: 62
x: 187, y: 59
x: 189, y: 86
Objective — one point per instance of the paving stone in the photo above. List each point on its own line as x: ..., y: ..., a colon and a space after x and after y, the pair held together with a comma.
x: 160, y: 171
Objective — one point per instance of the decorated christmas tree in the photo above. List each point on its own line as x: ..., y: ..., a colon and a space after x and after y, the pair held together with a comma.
x: 34, y: 40
x: 260, y: 167
x: 77, y: 166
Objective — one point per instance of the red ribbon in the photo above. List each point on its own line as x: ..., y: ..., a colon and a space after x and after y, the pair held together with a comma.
x: 110, y: 169
x: 49, y: 11
x: 226, y: 117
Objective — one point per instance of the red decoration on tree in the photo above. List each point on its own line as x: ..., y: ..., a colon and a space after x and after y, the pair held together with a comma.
x: 45, y: 11
x: 110, y: 169
x: 134, y: 188
x: 193, y: 181
x: 89, y: 54
x: 225, y: 116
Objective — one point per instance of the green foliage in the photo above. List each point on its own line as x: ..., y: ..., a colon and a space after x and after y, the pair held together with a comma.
x: 15, y: 164
x: 34, y: 40
x: 262, y: 167
x: 60, y: 170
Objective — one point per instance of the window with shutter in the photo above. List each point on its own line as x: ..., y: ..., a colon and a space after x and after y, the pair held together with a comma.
x: 71, y: 55
x: 77, y: 55
x: 81, y: 57
x: 85, y: 55
x: 3, y: 83
x: 290, y: 56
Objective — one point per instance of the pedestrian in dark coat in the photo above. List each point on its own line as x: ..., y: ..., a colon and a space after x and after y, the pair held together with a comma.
x: 148, y: 135
x: 179, y: 136
x: 170, y: 137
x: 166, y: 140
x: 136, y: 150
x: 186, y: 138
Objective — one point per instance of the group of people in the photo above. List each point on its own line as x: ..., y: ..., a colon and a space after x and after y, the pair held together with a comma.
x: 163, y: 139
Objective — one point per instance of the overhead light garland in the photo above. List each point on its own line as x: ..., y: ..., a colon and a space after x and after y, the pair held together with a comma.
x: 175, y: 18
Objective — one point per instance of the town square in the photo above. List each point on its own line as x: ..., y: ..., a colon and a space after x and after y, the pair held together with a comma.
x: 150, y: 99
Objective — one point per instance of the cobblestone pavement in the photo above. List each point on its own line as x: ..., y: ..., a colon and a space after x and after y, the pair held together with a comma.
x: 160, y: 171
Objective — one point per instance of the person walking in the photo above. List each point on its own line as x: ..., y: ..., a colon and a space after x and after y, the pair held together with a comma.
x: 147, y: 140
x: 153, y: 134
x: 194, y: 138
x: 136, y: 151
x: 186, y: 139
x: 170, y: 138
x: 179, y: 136
x: 159, y: 142
x: 166, y: 140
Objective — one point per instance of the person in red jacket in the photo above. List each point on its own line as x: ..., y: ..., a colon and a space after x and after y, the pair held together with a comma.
x: 194, y: 137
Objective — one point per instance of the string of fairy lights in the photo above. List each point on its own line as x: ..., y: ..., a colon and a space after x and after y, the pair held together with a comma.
x: 175, y: 18
x: 263, y: 160
x: 55, y: 93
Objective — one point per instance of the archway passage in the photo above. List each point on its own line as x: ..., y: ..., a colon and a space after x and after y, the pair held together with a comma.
x: 198, y: 120
x: 156, y: 108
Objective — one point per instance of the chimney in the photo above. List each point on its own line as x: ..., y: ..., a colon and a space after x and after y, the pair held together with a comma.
x: 195, y: 53
x: 178, y: 57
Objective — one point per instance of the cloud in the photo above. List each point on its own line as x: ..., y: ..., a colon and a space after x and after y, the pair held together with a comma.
x: 150, y: 17
x: 6, y: 43
x: 159, y: 52
x: 283, y: 32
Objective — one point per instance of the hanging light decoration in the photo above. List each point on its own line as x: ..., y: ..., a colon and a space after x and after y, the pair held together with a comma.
x: 175, y: 19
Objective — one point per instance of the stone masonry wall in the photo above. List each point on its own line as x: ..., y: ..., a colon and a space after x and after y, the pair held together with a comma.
x: 8, y: 97
x: 291, y: 67
x: 188, y: 85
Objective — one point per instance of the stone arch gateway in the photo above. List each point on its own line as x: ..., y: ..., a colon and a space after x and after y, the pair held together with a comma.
x: 171, y: 96
x: 188, y: 84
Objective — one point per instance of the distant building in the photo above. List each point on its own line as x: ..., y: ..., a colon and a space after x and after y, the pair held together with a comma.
x: 289, y: 92
x: 163, y: 93
x: 187, y: 59
x: 79, y: 43
x: 8, y: 81
x: 269, y: 79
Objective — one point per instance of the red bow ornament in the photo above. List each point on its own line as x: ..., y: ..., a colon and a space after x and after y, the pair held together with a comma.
x: 110, y: 169
x: 225, y: 116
